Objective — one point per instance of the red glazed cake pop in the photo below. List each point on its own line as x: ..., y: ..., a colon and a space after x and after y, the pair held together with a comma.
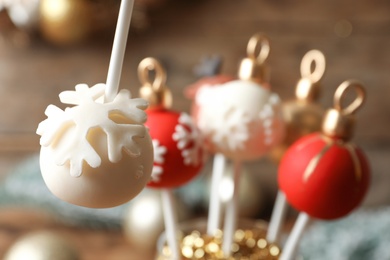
x: 177, y: 149
x: 323, y: 174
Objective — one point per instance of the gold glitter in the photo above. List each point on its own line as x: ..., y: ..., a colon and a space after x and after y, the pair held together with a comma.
x: 249, y: 244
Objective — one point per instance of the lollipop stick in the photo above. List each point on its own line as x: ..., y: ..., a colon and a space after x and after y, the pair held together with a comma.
x: 170, y: 221
x: 214, y: 218
x: 292, y: 242
x: 118, y: 49
x: 231, y: 213
x: 277, y: 218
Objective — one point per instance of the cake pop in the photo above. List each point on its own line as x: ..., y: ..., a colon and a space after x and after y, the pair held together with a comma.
x: 98, y: 153
x: 323, y: 174
x: 242, y: 118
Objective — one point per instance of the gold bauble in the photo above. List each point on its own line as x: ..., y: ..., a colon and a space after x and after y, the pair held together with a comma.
x: 303, y: 115
x: 143, y: 221
x: 65, y: 22
x: 42, y: 245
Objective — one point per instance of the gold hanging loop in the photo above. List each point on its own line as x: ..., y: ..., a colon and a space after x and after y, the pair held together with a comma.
x: 148, y: 65
x: 313, y: 58
x: 338, y: 121
x: 253, y: 67
x: 154, y: 90
x: 342, y: 90
x: 260, y: 42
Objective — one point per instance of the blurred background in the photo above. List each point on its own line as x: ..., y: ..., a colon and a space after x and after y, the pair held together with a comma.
x: 48, y: 46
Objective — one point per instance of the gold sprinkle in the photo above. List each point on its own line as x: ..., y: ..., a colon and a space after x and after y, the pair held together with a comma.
x: 262, y: 243
x: 212, y: 247
x: 199, y: 253
x: 274, y: 250
x: 248, y: 234
x: 235, y: 247
x: 239, y: 235
x: 187, y: 251
x: 198, y: 242
x: 250, y: 243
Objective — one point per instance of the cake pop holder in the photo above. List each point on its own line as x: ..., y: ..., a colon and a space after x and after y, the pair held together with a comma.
x: 249, y: 242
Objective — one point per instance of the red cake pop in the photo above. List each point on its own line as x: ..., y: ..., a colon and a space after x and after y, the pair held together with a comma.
x: 323, y: 174
x: 177, y: 149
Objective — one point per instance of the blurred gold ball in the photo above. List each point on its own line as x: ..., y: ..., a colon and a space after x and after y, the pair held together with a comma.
x: 301, y: 118
x: 42, y: 245
x: 65, y: 22
x: 143, y: 221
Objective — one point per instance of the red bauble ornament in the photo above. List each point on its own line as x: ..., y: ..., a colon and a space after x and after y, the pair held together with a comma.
x: 177, y: 150
x: 324, y: 177
x: 322, y: 174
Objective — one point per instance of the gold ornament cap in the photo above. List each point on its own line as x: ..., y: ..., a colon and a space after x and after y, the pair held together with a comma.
x: 154, y: 90
x: 253, y: 67
x: 339, y: 122
x: 312, y: 69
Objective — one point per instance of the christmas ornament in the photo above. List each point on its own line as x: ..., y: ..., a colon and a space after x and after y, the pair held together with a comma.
x: 303, y: 115
x: 241, y: 119
x: 42, y: 245
x: 323, y: 174
x: 145, y: 216
x: 98, y: 153
x: 177, y: 149
x: 65, y: 22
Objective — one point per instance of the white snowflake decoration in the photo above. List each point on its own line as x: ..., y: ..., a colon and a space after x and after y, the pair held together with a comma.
x: 90, y: 112
x: 187, y: 138
x: 268, y: 115
x: 159, y: 153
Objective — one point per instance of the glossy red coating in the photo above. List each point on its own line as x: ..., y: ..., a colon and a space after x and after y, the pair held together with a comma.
x: 333, y: 187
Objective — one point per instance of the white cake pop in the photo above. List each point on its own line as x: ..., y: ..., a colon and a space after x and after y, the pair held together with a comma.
x: 242, y: 118
x: 96, y: 154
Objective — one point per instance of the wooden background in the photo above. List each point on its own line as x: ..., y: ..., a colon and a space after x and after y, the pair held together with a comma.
x: 353, y: 35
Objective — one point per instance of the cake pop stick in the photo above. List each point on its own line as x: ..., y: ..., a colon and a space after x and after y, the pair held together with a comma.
x: 322, y: 174
x: 231, y: 214
x: 98, y: 154
x: 177, y: 150
x: 214, y: 216
x: 170, y: 221
x: 290, y: 248
x: 241, y: 119
x: 302, y: 116
x: 118, y: 49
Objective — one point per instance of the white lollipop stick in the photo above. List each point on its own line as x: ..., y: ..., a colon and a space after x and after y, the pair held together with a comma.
x: 277, y: 218
x: 290, y: 248
x: 214, y: 217
x: 231, y: 213
x: 170, y: 221
x: 118, y: 49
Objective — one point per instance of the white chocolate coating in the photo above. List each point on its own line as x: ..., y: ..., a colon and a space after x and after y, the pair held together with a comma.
x: 240, y: 119
x: 96, y: 154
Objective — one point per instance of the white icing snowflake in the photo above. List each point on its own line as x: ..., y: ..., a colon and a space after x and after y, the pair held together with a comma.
x: 268, y: 115
x: 159, y: 152
x: 234, y: 132
x: 90, y: 112
x: 187, y: 138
